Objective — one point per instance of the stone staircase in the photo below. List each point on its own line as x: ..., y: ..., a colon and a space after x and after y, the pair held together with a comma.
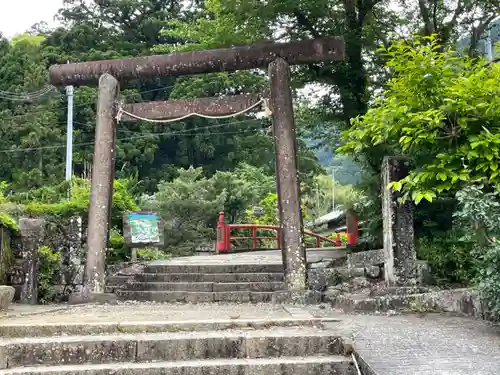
x: 196, y: 283
x: 230, y: 348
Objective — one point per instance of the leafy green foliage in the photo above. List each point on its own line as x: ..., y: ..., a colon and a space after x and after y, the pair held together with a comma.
x: 479, y: 215
x: 453, y: 260
x: 188, y: 206
x: 244, y: 186
x: 32, y: 134
x: 49, y: 265
x: 150, y: 253
x: 439, y: 109
x: 269, y: 205
x: 8, y: 222
x: 6, y: 256
x: 51, y: 201
x: 117, y: 250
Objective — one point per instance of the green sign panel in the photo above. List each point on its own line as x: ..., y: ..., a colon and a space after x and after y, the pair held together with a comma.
x: 144, y: 228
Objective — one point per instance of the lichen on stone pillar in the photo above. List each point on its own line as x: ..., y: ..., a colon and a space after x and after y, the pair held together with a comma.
x: 32, y: 232
x: 399, y: 244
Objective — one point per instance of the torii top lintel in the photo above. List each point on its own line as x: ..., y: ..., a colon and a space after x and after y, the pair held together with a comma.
x: 197, y: 62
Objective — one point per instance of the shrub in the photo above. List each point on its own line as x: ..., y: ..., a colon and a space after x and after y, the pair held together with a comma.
x: 151, y: 253
x: 452, y: 258
x: 479, y: 215
x: 49, y: 267
x: 189, y: 206
x: 117, y: 250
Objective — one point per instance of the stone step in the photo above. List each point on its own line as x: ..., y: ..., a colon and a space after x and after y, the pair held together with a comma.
x: 181, y: 346
x: 206, y: 287
x: 200, y: 297
x: 19, y: 330
x: 113, y: 281
x: 315, y: 365
x: 209, y: 277
x: 214, y: 268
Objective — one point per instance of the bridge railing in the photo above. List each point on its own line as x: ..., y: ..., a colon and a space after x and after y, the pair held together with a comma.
x: 224, y: 235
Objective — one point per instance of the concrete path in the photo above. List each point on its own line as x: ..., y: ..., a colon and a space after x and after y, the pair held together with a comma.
x: 130, y: 311
x: 423, y: 345
x: 255, y: 257
x: 390, y: 345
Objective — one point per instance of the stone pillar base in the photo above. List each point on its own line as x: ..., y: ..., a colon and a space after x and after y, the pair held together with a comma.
x: 6, y: 296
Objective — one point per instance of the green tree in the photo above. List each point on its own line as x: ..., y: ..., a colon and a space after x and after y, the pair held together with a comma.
x: 439, y: 109
x: 33, y: 133
x: 244, y: 187
x: 189, y: 206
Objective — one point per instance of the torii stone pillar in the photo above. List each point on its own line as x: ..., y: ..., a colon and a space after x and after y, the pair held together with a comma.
x: 101, y: 192
x: 287, y: 180
x: 400, y: 258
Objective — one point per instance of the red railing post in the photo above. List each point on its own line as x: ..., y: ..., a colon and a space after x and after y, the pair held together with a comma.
x: 351, y: 229
x: 318, y: 241
x: 254, y: 237
x: 338, y: 241
x: 228, y: 237
x: 221, y: 234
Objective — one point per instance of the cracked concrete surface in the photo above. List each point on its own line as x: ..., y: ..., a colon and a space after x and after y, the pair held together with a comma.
x: 430, y: 344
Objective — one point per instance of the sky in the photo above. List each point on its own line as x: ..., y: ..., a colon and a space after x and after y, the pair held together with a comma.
x: 20, y: 15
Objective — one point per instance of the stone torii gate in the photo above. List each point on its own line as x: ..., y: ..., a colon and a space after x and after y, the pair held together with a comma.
x: 276, y: 57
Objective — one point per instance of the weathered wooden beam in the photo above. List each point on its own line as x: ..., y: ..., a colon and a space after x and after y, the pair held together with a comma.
x: 170, y: 109
x: 196, y: 62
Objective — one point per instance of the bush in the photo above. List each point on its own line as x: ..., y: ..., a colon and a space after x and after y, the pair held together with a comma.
x: 151, y: 253
x: 117, y: 250
x: 479, y: 215
x: 333, y: 236
x: 452, y: 258
x: 489, y: 282
x: 49, y: 267
x: 189, y: 207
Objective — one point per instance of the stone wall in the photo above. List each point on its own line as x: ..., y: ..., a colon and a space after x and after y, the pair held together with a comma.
x: 63, y: 237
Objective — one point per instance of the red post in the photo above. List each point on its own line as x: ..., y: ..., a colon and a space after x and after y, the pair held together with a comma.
x: 351, y: 229
x: 318, y: 242
x: 222, y: 230
x: 227, y: 231
x: 254, y: 237
x: 278, y: 239
x: 338, y: 241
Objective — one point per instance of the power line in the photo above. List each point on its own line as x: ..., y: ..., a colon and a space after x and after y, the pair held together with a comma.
x: 13, y: 96
x: 88, y: 103
x: 170, y: 133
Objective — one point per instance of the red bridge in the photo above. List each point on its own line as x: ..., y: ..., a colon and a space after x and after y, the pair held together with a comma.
x: 224, y: 236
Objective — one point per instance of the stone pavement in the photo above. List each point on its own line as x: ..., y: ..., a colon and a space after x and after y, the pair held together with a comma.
x: 388, y: 345
x: 255, y: 257
x: 429, y: 344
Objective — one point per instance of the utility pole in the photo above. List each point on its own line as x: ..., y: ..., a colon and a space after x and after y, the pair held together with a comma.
x: 333, y: 188
x: 489, y: 47
x: 69, y: 134
x: 317, y: 199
